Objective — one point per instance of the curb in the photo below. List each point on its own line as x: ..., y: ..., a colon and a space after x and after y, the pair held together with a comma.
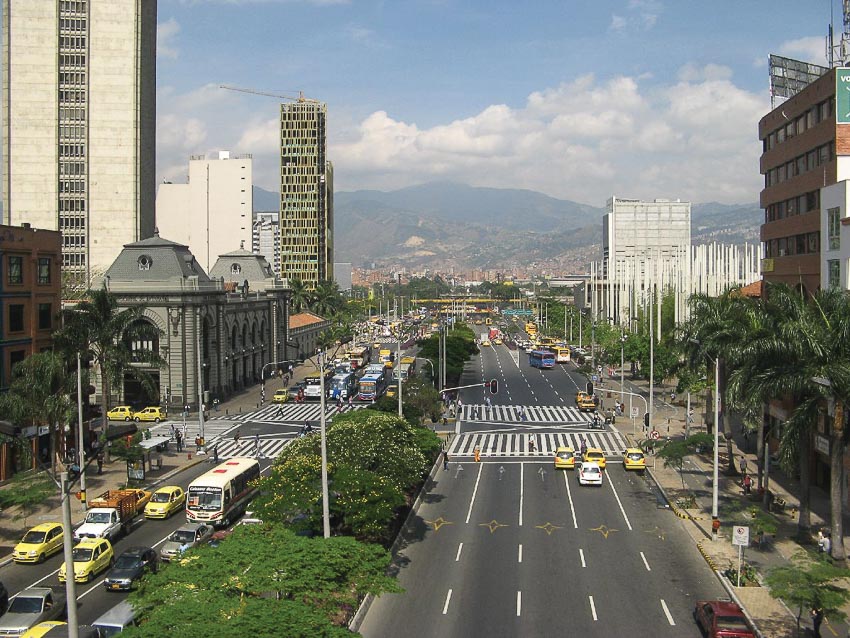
x: 731, y: 591
x: 706, y: 556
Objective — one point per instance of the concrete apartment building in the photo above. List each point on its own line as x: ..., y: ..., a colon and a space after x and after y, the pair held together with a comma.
x: 78, y: 120
x: 265, y: 237
x: 211, y: 214
x: 306, y: 193
x: 635, y: 228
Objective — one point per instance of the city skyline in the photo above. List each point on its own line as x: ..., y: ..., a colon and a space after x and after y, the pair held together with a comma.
x: 640, y: 97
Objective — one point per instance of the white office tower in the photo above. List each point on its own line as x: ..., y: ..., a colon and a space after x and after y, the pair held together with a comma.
x: 212, y: 213
x: 79, y: 114
x: 265, y: 239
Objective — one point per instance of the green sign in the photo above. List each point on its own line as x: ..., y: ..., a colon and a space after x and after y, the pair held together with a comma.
x: 842, y: 96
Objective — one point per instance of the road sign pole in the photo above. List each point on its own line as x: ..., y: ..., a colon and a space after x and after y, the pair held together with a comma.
x: 740, y: 554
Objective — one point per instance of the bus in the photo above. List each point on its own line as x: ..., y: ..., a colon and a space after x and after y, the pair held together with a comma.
x: 343, y: 385
x: 221, y: 495
x: 410, y: 360
x: 386, y: 356
x: 562, y: 354
x: 541, y: 359
x: 359, y: 356
x: 371, y: 387
x: 531, y: 328
x: 403, y: 371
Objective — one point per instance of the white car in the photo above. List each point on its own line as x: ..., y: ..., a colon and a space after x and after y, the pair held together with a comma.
x: 590, y: 474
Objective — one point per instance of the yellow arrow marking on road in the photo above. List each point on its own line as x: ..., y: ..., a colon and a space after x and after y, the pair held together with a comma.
x: 548, y: 528
x: 437, y: 524
x: 604, y: 530
x: 493, y: 525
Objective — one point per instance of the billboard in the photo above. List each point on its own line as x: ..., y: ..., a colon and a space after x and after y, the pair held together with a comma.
x: 842, y: 96
x: 788, y: 76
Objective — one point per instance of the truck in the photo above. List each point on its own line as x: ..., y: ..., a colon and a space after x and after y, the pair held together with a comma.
x: 493, y: 334
x: 111, y: 514
x: 140, y: 497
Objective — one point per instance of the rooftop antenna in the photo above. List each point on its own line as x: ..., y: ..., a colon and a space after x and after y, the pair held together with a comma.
x: 838, y: 54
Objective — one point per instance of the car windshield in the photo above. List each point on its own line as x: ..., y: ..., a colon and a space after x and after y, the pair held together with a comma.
x: 127, y: 561
x: 183, y: 536
x: 97, y: 517
x: 26, y: 605
x: 161, y: 497
x: 81, y: 554
x: 34, y: 537
x: 731, y: 622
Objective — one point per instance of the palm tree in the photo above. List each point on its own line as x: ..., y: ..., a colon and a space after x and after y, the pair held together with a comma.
x: 327, y: 299
x: 300, y: 296
x: 98, y: 329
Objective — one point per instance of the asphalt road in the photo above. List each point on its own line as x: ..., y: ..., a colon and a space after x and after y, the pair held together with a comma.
x: 512, y: 547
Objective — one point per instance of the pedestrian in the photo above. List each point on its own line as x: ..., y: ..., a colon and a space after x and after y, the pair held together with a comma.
x: 198, y: 442
x: 531, y: 443
x: 215, y: 453
x: 100, y: 463
x: 817, y: 620
x: 742, y: 464
x: 236, y: 437
x: 339, y: 403
x: 178, y: 437
x: 173, y: 431
x: 257, y: 445
x: 350, y: 400
x: 279, y: 411
x: 583, y: 447
x: 215, y: 404
x: 477, y: 454
x: 748, y: 484
x: 445, y: 460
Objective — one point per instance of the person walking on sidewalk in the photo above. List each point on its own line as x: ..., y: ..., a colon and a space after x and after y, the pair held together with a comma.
x: 445, y: 460
x: 748, y: 484
x: 742, y: 464
x: 178, y: 437
x: 817, y: 620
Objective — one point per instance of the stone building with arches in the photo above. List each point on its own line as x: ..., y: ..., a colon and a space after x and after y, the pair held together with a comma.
x: 219, y: 333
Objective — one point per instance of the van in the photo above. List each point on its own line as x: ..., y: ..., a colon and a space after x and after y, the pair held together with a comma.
x: 116, y: 619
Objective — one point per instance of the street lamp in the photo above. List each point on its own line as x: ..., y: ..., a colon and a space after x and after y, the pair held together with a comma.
x: 326, y: 516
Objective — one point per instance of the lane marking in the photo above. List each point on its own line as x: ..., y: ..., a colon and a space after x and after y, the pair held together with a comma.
x: 592, y: 608
x: 622, y: 510
x: 459, y: 549
x: 448, y: 600
x: 667, y: 613
x: 570, y: 497
x: 646, y: 564
x: 474, y: 492
x: 521, y: 489
x: 581, y: 555
x: 519, y: 603
x: 519, y: 558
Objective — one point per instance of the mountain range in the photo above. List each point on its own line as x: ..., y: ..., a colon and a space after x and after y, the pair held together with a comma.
x: 440, y: 225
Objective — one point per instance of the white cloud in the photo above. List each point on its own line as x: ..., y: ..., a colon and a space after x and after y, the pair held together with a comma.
x: 810, y: 49
x: 640, y: 15
x: 693, y: 138
x: 166, y: 33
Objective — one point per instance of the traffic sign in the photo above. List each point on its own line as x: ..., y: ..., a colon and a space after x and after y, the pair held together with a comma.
x: 635, y: 412
x: 655, y: 435
x: 741, y: 535
x: 595, y: 378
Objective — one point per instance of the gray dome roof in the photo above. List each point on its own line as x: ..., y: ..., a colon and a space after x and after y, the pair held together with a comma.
x: 155, y: 259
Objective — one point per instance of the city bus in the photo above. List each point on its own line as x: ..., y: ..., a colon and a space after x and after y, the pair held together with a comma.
x: 541, y: 359
x: 386, y: 356
x: 313, y: 385
x: 371, y: 387
x: 562, y: 354
x: 221, y: 495
x: 359, y: 357
x: 343, y: 385
x: 403, y: 372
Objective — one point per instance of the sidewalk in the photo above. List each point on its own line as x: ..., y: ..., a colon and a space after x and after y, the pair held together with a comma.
x: 13, y: 525
x: 770, y: 616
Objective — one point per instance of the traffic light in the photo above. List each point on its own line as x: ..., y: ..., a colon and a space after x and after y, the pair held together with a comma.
x: 589, y: 388
x: 646, y: 420
x: 494, y: 386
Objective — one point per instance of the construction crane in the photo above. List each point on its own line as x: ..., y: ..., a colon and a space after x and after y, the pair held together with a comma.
x: 291, y: 98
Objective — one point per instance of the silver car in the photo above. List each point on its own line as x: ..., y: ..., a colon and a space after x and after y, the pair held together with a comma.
x: 184, y: 538
x: 30, y: 607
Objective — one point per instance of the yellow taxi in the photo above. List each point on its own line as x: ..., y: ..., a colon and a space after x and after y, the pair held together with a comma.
x: 565, y: 458
x: 391, y: 391
x: 165, y: 502
x: 497, y: 341
x: 634, y: 459
x: 485, y: 342
x: 43, y: 628
x: 91, y: 556
x: 40, y: 542
x: 120, y: 413
x: 151, y: 413
x: 594, y: 455
x: 281, y: 396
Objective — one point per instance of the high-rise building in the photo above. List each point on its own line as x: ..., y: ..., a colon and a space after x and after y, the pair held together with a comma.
x: 78, y: 123
x: 306, y: 193
x: 632, y: 228
x: 265, y: 239
x: 211, y: 214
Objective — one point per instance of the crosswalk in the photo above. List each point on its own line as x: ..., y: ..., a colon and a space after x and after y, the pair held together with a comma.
x: 533, y: 414
x: 191, y: 429
x: 545, y: 444
x: 270, y: 447
x: 288, y: 413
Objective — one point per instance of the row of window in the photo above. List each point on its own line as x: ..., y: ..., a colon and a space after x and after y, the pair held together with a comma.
x: 72, y: 6
x: 70, y: 223
x: 795, y: 206
x: 73, y: 241
x: 72, y: 42
x: 72, y: 59
x: 809, y: 119
x: 72, y: 150
x: 17, y: 320
x: 72, y: 168
x: 801, y: 164
x: 70, y: 96
x: 74, y: 260
x: 67, y: 133
x: 72, y: 24
x: 15, y: 270
x: 833, y: 228
x: 74, y: 78
x: 72, y: 186
x: 72, y: 114
x: 803, y: 244
x: 68, y: 205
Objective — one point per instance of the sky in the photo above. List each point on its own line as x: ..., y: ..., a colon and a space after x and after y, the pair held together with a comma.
x: 580, y: 100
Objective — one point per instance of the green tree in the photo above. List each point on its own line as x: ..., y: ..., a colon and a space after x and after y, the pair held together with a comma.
x: 97, y: 328
x: 326, y: 300
x: 675, y: 451
x: 460, y: 346
x: 301, y: 295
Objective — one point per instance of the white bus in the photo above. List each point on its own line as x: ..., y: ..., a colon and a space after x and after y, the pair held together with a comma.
x: 221, y: 495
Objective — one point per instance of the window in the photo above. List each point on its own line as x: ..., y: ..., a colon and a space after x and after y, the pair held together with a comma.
x: 16, y: 270
x: 145, y: 262
x: 833, y: 270
x: 814, y: 242
x: 833, y: 228
x: 235, y: 269
x: 15, y: 358
x: 45, y: 316
x: 16, y: 318
x: 44, y: 270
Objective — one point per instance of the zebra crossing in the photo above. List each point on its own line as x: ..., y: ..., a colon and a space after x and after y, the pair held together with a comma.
x: 191, y: 429
x: 288, y: 412
x: 545, y: 444
x: 533, y: 414
x: 270, y: 448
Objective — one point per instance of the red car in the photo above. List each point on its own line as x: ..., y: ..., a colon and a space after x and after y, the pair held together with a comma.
x: 722, y: 619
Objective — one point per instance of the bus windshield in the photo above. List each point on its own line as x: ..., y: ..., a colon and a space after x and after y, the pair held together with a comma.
x: 205, y: 498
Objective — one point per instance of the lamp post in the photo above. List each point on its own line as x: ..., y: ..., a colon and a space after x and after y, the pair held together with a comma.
x: 622, y: 364
x: 326, y: 516
x: 81, y: 447
x: 201, y: 447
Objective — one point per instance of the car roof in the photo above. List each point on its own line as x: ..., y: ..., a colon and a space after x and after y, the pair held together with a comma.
x: 564, y: 448
x: 43, y: 527
x: 136, y: 550
x: 633, y: 450
x: 589, y: 466
x: 726, y: 607
x: 169, y: 488
x: 594, y: 450
x: 86, y: 542
x: 191, y: 526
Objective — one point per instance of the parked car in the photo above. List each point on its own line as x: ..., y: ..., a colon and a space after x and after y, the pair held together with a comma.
x: 30, y: 607
x: 120, y: 413
x: 150, y: 413
x: 130, y: 567
x: 41, y: 541
x: 722, y: 619
x: 184, y: 538
x: 166, y: 501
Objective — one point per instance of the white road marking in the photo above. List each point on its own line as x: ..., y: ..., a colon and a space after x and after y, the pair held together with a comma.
x: 519, y: 603
x: 459, y: 548
x: 448, y: 600
x: 570, y: 497
x: 622, y: 510
x: 519, y: 557
x: 667, y: 613
x: 645, y: 562
x: 521, y: 490
x: 592, y: 608
x: 581, y: 555
x: 474, y: 492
